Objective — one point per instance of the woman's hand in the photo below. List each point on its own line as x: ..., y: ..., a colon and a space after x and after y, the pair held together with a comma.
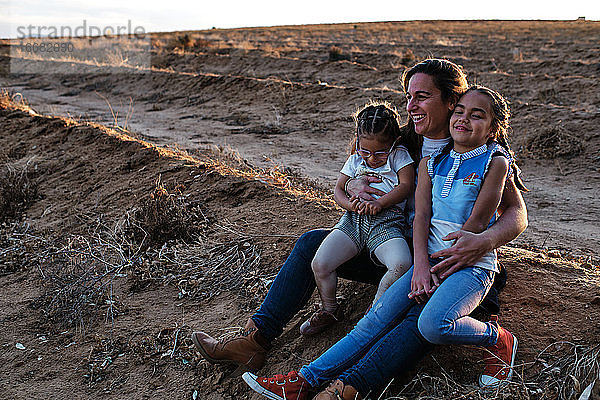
x: 359, y: 187
x: 467, y: 249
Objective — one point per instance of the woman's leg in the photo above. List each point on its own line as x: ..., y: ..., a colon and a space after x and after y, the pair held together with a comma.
x: 396, y: 256
x: 384, y: 316
x: 292, y: 287
x: 396, y: 353
x: 336, y: 249
x: 445, y: 319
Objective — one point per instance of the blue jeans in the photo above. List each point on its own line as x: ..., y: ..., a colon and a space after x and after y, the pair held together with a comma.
x: 393, y: 336
x: 445, y: 318
x: 295, y: 283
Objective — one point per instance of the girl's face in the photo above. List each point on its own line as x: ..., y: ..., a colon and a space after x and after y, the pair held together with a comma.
x: 374, y: 151
x: 471, y: 121
x: 426, y: 107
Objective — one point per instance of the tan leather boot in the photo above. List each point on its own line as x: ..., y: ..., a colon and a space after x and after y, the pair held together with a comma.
x: 247, y: 348
x: 338, y: 391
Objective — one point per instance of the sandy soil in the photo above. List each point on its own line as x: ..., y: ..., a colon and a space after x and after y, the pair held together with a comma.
x: 272, y: 95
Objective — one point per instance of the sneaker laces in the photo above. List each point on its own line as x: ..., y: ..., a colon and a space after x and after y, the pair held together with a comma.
x: 236, y: 333
x: 281, y: 379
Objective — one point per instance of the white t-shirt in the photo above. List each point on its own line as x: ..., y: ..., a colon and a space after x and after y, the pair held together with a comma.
x: 431, y: 145
x: 399, y: 158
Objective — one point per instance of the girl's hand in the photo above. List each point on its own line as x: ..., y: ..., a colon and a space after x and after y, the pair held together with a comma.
x: 421, y: 284
x: 360, y: 204
x: 373, y: 207
x: 436, y: 282
x: 355, y: 203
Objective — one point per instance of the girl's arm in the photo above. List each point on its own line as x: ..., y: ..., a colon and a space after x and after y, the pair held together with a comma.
x: 340, y: 196
x: 406, y: 179
x: 470, y: 245
x: 489, y: 196
x: 421, y: 280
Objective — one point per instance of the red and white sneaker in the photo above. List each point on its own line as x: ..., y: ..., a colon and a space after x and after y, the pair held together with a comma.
x: 279, y: 387
x: 501, y: 360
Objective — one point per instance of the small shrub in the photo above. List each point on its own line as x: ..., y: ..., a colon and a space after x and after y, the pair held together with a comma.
x: 77, y: 275
x: 408, y: 57
x: 17, y: 192
x: 165, y: 215
x: 554, y: 142
x: 337, y: 54
x: 183, y: 42
x: 517, y: 55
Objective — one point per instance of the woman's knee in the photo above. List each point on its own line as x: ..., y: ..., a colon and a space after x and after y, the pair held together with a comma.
x: 308, y: 243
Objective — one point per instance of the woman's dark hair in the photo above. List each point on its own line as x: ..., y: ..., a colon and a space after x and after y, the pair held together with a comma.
x: 448, y: 77
x: 378, y: 119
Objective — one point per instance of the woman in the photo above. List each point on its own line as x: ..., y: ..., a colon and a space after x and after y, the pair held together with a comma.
x: 432, y: 88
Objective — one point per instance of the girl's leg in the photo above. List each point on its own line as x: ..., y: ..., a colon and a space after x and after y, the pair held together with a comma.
x: 395, y: 255
x: 445, y: 319
x: 384, y: 316
x: 336, y: 249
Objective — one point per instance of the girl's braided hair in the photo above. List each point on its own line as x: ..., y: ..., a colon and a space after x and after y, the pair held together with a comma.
x: 500, y: 126
x: 378, y: 119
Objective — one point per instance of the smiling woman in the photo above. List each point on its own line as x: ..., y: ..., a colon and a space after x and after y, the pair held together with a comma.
x: 387, y: 341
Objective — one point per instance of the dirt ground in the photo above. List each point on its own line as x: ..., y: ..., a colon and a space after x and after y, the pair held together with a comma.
x: 273, y: 96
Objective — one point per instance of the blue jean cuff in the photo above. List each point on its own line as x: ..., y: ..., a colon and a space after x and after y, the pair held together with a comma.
x: 310, y: 378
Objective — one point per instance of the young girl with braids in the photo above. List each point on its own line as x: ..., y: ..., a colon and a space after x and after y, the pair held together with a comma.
x: 377, y: 224
x: 460, y: 187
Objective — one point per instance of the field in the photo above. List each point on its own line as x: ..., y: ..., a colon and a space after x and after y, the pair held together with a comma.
x: 152, y: 187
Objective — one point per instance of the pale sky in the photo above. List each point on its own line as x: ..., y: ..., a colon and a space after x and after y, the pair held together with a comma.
x: 174, y: 15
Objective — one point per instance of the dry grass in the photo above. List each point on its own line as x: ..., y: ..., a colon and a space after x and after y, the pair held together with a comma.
x: 553, y: 142
x: 17, y: 191
x: 122, y: 51
x: 166, y: 240
x: 337, y: 54
x: 562, y: 371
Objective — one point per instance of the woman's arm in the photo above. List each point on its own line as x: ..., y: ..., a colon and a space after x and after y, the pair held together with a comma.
x: 470, y: 247
x: 340, y: 196
x: 359, y: 187
x: 421, y: 280
x: 406, y: 179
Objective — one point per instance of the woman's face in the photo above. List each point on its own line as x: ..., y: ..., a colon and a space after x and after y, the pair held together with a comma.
x: 425, y: 106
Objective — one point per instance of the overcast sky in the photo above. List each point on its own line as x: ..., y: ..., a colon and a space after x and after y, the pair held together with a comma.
x: 174, y: 15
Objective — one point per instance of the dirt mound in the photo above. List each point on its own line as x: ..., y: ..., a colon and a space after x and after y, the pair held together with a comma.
x: 135, y: 340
